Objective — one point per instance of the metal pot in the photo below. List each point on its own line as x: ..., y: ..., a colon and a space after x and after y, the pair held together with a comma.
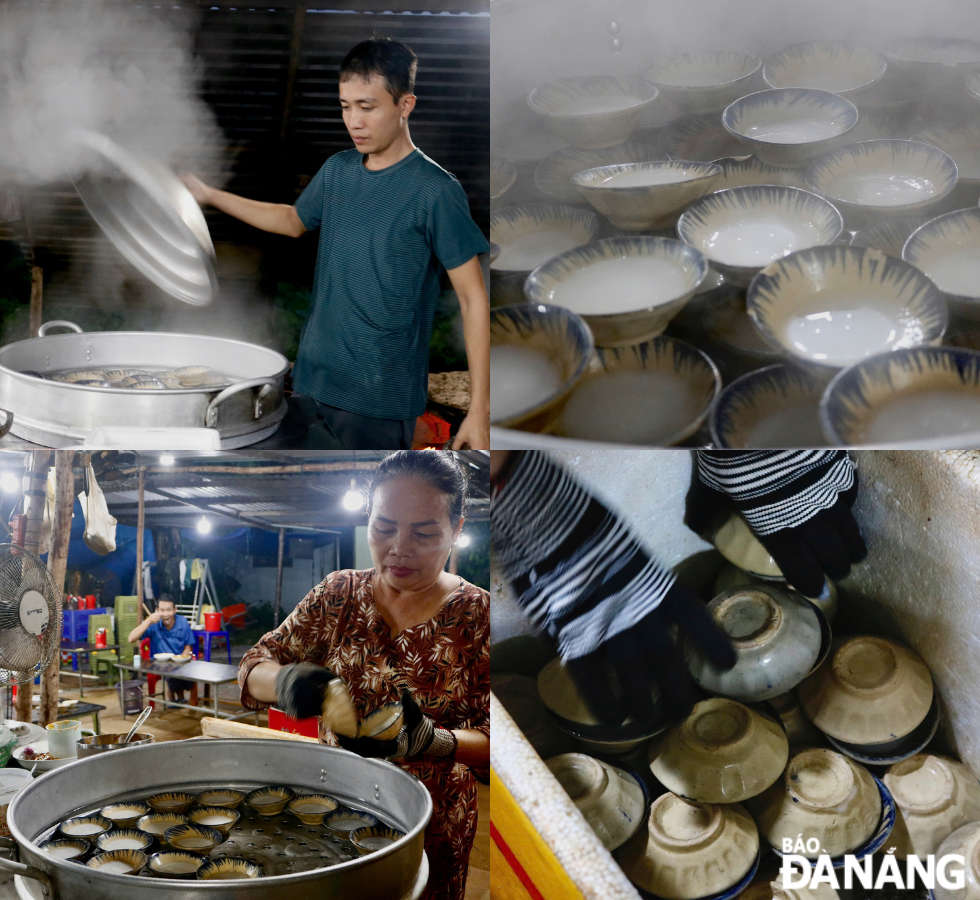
x: 101, y: 743
x: 56, y: 414
x: 392, y: 873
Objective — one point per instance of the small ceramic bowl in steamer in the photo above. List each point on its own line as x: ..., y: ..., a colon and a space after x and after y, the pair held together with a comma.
x: 704, y: 82
x: 645, y: 196
x: 119, y: 862
x: 741, y: 171
x: 125, y: 815
x: 835, y: 66
x: 934, y: 61
x: 175, y: 864
x: 271, y: 800
x: 596, y: 111
x: 221, y: 818
x: 528, y: 236
x: 870, y: 690
x: 374, y: 838
x: 888, y: 236
x: 538, y: 354
x: 228, y: 868
x: 73, y: 849
x: 192, y: 838
x: 86, y: 828
x: 614, y: 803
x: 776, y: 635
x: 553, y: 175
x: 723, y: 752
x: 700, y: 138
x: 503, y: 174
x: 924, y: 397
x: 692, y: 850
x: 124, y: 839
x: 790, y: 126
x: 171, y: 802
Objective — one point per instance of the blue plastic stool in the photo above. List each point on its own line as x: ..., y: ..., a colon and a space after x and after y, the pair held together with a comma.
x: 208, y: 636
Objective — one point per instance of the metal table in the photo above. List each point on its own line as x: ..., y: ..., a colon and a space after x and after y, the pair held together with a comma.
x: 207, y: 673
x: 75, y: 648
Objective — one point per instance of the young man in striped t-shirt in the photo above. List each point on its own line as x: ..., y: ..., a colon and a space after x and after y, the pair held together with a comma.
x: 389, y: 219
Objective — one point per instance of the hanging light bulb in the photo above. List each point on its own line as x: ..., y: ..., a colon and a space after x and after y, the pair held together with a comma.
x: 464, y: 541
x: 353, y: 499
x: 166, y: 459
x: 9, y: 482
x: 204, y: 526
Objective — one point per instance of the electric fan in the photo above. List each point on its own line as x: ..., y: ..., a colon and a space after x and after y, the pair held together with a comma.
x: 30, y: 616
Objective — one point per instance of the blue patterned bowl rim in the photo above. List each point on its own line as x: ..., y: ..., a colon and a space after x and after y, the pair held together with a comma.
x: 926, y: 732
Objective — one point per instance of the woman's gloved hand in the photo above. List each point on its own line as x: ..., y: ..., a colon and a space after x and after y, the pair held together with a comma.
x: 419, y: 736
x: 797, y: 502
x: 300, y: 687
x: 581, y: 575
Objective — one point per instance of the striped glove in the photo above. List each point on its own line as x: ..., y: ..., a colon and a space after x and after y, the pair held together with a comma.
x: 582, y: 576
x: 797, y: 502
x: 419, y: 736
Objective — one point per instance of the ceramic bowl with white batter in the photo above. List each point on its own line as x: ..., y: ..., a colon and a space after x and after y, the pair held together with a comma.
x: 553, y: 175
x: 626, y: 288
x: 645, y: 195
x: 744, y: 229
x: 739, y: 171
x: 888, y: 236
x: 834, y: 66
x: 657, y: 393
x: 962, y: 143
x: 704, y: 82
x: 934, y: 60
x: 503, y: 174
x: 834, y: 306
x: 790, y: 126
x: 595, y: 111
x: 529, y: 236
x: 873, y: 180
x: 778, y: 406
x: 538, y: 353
x: 700, y: 138
x: 927, y: 397
x: 947, y: 249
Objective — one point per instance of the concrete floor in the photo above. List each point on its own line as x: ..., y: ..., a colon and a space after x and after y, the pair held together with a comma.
x: 178, y: 724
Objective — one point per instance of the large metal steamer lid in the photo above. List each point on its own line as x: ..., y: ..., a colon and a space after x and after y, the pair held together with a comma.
x: 150, y: 216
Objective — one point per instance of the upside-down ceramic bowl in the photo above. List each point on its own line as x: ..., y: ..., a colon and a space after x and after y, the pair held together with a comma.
x: 519, y: 696
x: 645, y: 195
x: 704, y: 82
x: 940, y: 61
x: 538, y: 353
x: 890, y: 752
x: 947, y: 249
x: 553, y: 175
x: 834, y: 66
x: 872, y: 180
x: 723, y: 752
x: 869, y: 690
x: 614, y: 803
x: 834, y: 306
x: 822, y: 795
x: 790, y: 126
x: 698, y: 137
x: 657, y: 393
x: 962, y: 143
x: 734, y: 540
x: 731, y: 577
x: 691, y: 850
x: 503, y: 174
x: 888, y: 236
x: 799, y: 729
x: 964, y: 842
x: 570, y: 712
x: 776, y: 635
x: 735, y: 343
x: 743, y: 230
x: 778, y: 407
x: 927, y: 397
x: 740, y: 171
x: 531, y: 235
x: 935, y: 795
x: 595, y: 111
x: 626, y: 288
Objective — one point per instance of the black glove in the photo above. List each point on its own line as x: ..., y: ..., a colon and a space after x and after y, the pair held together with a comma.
x: 580, y: 573
x: 418, y: 736
x: 299, y: 689
x: 797, y: 502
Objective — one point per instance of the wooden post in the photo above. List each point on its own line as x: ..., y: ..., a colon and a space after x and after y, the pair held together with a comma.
x: 140, y: 523
x: 37, y: 293
x: 275, y: 611
x: 34, y: 490
x: 64, y: 500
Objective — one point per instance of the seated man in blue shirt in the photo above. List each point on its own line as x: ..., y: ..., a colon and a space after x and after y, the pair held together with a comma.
x: 389, y: 219
x: 168, y: 633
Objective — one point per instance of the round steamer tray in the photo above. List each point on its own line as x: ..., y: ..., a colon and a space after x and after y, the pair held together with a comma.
x: 877, y: 840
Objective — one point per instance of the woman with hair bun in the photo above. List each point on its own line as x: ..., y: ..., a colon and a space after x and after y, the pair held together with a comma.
x: 405, y: 630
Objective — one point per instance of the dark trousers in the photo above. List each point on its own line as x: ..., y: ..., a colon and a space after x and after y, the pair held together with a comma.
x: 357, y: 432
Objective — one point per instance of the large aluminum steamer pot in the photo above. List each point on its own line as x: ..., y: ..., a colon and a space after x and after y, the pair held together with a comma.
x: 55, y: 414
x: 392, y: 873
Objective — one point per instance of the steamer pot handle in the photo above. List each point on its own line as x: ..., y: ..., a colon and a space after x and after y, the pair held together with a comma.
x: 47, y: 888
x: 58, y: 323
x: 267, y: 385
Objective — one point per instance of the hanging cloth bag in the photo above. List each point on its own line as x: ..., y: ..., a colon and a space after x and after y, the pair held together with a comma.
x: 100, y: 527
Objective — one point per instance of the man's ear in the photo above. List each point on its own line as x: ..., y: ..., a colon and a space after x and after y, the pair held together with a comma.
x: 406, y: 105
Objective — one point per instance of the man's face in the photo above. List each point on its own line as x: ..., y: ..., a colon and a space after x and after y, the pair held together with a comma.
x: 167, y: 613
x: 372, y: 116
